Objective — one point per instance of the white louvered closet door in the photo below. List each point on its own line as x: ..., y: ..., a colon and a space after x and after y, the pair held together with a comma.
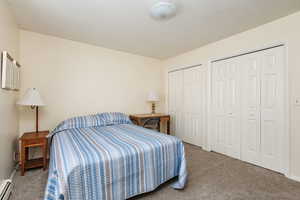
x: 226, y: 107
x: 175, y: 102
x: 195, y: 105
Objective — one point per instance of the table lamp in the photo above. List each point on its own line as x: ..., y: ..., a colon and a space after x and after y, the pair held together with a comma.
x: 33, y: 99
x: 152, y: 98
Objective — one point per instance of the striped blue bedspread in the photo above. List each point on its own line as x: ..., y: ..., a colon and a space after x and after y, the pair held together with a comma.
x: 112, y: 162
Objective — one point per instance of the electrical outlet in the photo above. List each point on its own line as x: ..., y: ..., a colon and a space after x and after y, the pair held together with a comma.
x: 15, y: 156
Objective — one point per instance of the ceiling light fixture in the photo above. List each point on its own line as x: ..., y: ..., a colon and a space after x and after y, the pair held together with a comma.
x: 163, y: 10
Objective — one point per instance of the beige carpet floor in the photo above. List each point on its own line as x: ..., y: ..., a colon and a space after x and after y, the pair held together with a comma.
x: 211, y: 177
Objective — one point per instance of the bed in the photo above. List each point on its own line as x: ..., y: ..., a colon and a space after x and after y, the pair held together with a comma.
x: 105, y: 156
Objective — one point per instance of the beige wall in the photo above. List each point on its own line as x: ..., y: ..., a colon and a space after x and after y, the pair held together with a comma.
x: 77, y: 79
x: 9, y: 41
x: 283, y: 30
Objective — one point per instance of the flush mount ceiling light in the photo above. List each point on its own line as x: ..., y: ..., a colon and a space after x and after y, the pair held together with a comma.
x: 163, y: 10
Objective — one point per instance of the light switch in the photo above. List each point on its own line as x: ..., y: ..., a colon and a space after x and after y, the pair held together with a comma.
x: 297, y: 102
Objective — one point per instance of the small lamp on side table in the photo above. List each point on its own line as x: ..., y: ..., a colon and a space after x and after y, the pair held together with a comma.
x: 153, y: 98
x: 33, y: 99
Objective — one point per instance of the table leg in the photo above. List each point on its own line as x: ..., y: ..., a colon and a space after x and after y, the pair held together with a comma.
x: 45, y: 156
x: 26, y: 154
x: 139, y: 122
x: 158, y: 128
x: 23, y: 149
x: 168, y: 127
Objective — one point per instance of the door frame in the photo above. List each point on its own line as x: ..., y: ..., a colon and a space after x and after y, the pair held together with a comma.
x: 286, y: 159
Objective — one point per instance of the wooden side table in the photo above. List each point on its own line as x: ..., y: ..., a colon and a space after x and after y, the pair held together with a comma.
x: 139, y: 118
x: 33, y: 139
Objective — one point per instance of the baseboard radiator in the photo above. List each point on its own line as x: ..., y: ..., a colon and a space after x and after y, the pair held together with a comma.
x: 5, y: 189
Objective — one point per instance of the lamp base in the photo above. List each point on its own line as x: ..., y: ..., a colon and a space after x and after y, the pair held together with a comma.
x: 37, y: 120
x: 153, y: 108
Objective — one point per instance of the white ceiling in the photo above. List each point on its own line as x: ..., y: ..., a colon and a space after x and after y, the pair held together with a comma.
x: 126, y: 25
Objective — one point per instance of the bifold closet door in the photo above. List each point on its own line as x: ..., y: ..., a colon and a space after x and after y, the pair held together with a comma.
x: 264, y: 108
x: 226, y: 107
x: 248, y: 107
x: 195, y: 105
x: 251, y: 122
x: 272, y: 109
x: 188, y: 104
x: 175, y: 91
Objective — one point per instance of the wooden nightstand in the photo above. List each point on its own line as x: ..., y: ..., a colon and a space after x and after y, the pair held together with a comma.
x: 143, y: 119
x: 33, y: 139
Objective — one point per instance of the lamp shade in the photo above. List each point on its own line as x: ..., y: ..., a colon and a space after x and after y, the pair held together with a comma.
x: 153, y: 97
x: 31, y: 98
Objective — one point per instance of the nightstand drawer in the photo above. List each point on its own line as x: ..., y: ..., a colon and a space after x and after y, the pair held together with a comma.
x: 36, y: 142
